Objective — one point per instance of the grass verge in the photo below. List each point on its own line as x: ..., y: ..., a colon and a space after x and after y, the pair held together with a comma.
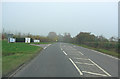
x: 112, y: 53
x: 16, y: 54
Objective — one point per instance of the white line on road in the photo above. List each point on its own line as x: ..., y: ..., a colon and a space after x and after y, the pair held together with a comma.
x: 82, y: 58
x: 64, y: 52
x: 46, y: 46
x: 84, y: 63
x: 100, y: 68
x: 61, y: 49
x: 81, y: 53
x: 78, y: 51
x: 105, y: 54
x: 94, y: 73
x: 76, y: 66
x: 74, y: 54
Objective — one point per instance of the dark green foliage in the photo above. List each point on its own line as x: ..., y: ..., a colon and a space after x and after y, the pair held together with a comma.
x: 84, y: 37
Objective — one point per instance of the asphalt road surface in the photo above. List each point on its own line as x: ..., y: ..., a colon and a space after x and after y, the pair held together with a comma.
x: 67, y: 60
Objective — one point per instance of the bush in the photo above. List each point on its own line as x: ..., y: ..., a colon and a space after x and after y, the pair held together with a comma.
x: 104, y: 45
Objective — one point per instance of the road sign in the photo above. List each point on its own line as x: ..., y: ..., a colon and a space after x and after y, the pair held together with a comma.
x: 11, y: 40
x: 27, y: 40
x: 36, y: 41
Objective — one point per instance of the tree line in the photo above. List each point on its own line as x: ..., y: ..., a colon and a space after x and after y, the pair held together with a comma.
x: 83, y: 38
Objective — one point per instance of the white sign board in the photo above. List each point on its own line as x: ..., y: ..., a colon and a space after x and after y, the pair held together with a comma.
x: 36, y: 41
x: 27, y: 40
x: 11, y: 40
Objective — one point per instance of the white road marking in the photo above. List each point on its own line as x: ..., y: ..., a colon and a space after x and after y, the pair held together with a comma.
x: 61, y: 49
x: 84, y: 63
x: 64, y: 52
x: 81, y: 53
x: 73, y: 54
x: 49, y: 44
x: 93, y: 63
x: 82, y: 58
x: 100, y: 68
x: 76, y: 66
x: 76, y: 50
x: 46, y: 46
x: 105, y: 54
x: 94, y: 73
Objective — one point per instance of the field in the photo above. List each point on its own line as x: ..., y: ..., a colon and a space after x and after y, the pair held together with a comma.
x: 15, y: 54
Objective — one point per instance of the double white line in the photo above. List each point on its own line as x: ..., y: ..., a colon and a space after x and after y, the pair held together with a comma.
x: 80, y: 72
x: 73, y: 63
x: 100, y: 68
x: 76, y: 66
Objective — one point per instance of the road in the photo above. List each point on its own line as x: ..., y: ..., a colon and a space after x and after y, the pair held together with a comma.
x: 67, y: 60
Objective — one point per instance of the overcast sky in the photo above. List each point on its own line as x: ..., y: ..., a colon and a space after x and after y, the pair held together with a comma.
x: 99, y: 18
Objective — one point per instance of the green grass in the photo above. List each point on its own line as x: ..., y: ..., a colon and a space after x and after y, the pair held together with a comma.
x: 13, y: 48
x: 113, y: 53
x: 15, y: 54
